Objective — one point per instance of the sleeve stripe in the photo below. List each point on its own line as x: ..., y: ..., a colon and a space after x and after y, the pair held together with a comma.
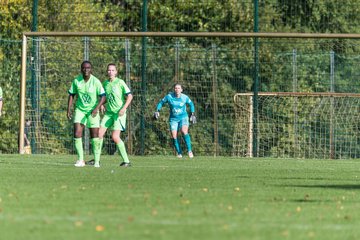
x: 73, y: 94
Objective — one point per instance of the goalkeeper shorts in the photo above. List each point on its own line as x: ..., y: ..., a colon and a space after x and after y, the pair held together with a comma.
x: 176, y: 124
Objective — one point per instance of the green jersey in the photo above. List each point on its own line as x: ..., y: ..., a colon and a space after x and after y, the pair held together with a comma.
x: 88, y: 92
x: 116, y: 91
x: 0, y: 93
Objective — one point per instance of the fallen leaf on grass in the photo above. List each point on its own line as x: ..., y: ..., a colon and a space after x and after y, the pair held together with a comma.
x: 185, y: 201
x: 100, y: 228
x: 78, y: 223
x: 154, y: 212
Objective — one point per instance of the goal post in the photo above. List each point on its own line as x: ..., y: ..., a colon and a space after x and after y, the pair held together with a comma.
x: 297, y: 124
x: 22, y: 95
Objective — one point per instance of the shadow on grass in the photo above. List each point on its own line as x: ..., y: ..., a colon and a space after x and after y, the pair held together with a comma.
x: 306, y: 199
x: 306, y: 178
x: 330, y: 186
x: 309, y: 200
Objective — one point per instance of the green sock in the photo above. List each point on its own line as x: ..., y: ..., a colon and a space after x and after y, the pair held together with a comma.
x: 79, y: 148
x: 101, y: 140
x: 122, y: 150
x: 96, y: 144
x: 187, y: 140
x: 177, y: 145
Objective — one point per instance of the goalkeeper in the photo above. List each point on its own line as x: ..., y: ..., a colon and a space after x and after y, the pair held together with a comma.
x: 178, y: 119
x: 88, y: 90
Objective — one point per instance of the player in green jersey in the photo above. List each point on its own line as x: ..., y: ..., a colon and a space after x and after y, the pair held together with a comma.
x: 118, y: 99
x: 1, y: 101
x: 87, y: 89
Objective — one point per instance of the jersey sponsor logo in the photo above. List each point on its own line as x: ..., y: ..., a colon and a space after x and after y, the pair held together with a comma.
x: 111, y: 98
x: 177, y: 111
x: 86, y: 98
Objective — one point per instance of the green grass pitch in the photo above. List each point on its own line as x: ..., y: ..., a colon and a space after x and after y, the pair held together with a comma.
x: 162, y: 197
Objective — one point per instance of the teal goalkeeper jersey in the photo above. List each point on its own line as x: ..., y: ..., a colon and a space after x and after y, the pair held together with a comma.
x: 88, y: 93
x: 177, y: 105
x: 116, y: 91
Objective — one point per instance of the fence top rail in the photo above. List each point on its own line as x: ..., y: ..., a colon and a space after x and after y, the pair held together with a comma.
x: 193, y: 34
x: 300, y: 94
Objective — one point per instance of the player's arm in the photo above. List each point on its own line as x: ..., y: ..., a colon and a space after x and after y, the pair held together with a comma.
x: 70, y: 103
x: 101, y: 102
x: 192, y: 106
x: 26, y: 139
x: 159, y: 106
x: 161, y: 103
x: 192, y: 110
x: 72, y: 92
x: 103, y: 106
x: 102, y: 95
x: 129, y: 98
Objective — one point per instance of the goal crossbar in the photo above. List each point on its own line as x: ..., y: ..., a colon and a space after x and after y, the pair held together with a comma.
x: 300, y: 94
x: 194, y: 34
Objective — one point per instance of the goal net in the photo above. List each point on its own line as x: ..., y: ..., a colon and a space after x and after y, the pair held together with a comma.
x: 300, y: 125
x: 212, y: 67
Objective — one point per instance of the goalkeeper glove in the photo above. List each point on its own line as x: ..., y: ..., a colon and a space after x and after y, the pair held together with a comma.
x: 156, y: 115
x: 193, y: 118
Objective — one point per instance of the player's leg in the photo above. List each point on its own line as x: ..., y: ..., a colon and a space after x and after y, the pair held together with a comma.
x: 106, y: 121
x: 78, y: 129
x: 102, y: 131
x: 94, y: 124
x: 174, y: 126
x: 120, y: 145
x: 79, y: 124
x: 185, y: 132
x: 118, y: 127
x: 96, y: 145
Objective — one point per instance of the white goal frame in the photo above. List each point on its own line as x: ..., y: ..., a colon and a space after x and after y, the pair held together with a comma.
x: 251, y: 109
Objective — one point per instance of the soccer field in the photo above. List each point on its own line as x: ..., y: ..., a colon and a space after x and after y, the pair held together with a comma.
x: 162, y: 197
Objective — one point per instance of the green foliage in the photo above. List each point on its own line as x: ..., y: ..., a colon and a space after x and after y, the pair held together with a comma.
x: 212, y: 70
x: 15, y: 17
x: 195, y: 16
x: 318, y: 16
